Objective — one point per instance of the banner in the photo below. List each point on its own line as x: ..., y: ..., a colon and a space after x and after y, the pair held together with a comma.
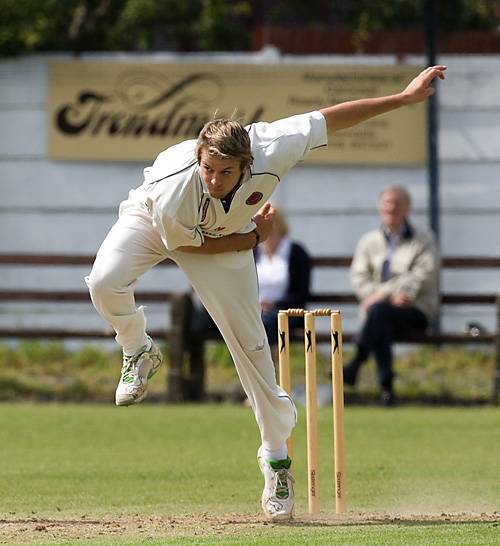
x: 120, y: 111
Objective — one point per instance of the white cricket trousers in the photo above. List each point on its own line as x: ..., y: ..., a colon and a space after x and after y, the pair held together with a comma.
x: 226, y: 284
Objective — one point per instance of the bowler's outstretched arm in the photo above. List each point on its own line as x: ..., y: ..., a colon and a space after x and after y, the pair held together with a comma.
x: 348, y: 114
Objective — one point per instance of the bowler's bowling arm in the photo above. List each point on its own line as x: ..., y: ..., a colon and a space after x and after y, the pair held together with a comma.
x: 229, y: 243
x: 348, y: 114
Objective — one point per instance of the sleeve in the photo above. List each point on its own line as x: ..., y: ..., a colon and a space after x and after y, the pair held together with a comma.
x: 422, y: 272
x: 175, y: 214
x: 279, y: 145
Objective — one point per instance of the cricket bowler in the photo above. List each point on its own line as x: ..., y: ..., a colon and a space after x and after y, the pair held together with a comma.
x: 204, y: 205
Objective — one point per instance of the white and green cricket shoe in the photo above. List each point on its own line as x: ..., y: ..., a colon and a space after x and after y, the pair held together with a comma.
x: 136, y: 371
x: 277, y: 498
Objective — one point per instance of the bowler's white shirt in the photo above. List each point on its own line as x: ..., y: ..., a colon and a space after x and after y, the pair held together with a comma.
x: 182, y: 209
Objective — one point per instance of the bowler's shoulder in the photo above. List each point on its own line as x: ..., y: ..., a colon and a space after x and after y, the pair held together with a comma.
x: 174, y: 175
x: 263, y: 133
x: 174, y: 159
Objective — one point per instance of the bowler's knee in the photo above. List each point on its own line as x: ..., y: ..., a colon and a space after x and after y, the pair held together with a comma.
x: 101, y: 283
x: 256, y: 348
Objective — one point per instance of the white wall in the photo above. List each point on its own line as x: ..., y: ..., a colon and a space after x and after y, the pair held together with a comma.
x: 67, y: 207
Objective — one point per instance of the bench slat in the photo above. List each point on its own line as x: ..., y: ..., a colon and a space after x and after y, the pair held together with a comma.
x: 466, y: 262
x: 58, y: 333
x: 427, y: 339
x: 326, y: 297
x: 75, y: 295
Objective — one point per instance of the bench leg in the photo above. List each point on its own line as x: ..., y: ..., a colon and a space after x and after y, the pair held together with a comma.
x: 196, y: 383
x: 177, y: 347
x: 186, y: 380
x: 496, y: 380
x: 495, y: 398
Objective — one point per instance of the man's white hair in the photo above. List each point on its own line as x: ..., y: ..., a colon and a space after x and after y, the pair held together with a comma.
x: 399, y: 189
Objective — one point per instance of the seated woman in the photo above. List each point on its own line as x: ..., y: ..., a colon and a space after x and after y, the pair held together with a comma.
x: 284, y: 274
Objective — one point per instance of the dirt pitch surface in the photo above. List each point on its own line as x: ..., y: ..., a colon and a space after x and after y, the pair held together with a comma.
x: 24, y: 531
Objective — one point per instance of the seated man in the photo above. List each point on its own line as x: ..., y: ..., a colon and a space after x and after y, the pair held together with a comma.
x: 394, y: 274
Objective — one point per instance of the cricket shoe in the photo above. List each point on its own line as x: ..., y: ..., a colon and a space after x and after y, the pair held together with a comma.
x: 136, y: 371
x: 277, y: 497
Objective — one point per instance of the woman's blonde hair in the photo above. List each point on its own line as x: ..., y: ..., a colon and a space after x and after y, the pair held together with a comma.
x: 226, y: 139
x: 280, y: 223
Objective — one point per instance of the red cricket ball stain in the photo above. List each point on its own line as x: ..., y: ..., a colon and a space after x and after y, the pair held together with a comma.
x: 254, y: 198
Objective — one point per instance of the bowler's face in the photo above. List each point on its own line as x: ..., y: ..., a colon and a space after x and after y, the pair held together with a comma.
x: 220, y: 175
x: 394, y: 209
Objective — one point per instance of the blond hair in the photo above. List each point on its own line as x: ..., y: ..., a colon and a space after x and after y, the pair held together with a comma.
x: 280, y: 223
x: 225, y: 139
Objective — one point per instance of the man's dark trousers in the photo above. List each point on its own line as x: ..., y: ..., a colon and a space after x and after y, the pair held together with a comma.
x: 384, y: 324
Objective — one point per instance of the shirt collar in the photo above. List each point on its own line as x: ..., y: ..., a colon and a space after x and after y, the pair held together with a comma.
x: 406, y: 232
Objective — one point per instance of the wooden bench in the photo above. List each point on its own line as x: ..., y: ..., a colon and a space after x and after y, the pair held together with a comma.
x: 186, y: 375
x: 187, y: 364
x: 66, y: 296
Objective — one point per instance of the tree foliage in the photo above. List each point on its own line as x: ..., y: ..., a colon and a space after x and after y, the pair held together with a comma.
x: 206, y: 25
x: 380, y: 14
x: 451, y: 14
x: 122, y: 25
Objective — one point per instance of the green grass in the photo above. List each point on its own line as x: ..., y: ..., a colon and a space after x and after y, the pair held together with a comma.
x: 98, y: 461
x: 46, y: 371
